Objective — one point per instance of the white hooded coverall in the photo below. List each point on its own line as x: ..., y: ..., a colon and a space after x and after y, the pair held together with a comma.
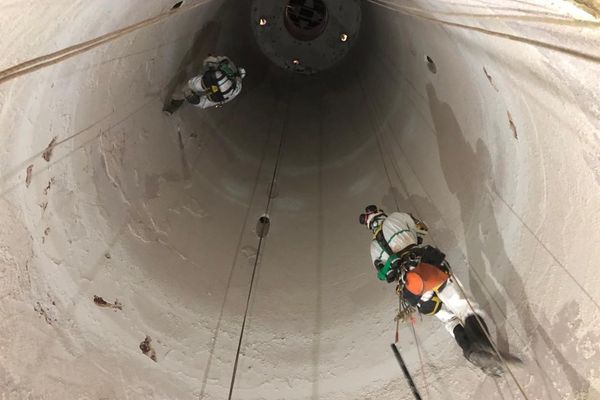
x: 400, y: 231
x: 225, y: 83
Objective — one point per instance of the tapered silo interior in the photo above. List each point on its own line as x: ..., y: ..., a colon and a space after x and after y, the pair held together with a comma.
x: 480, y: 117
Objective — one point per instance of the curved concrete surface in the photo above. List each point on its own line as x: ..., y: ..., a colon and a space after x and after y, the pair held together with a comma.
x: 498, y: 151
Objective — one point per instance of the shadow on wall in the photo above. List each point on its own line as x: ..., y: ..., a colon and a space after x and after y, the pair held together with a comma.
x: 468, y: 180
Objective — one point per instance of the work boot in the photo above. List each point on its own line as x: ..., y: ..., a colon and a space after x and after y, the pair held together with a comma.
x: 172, y: 106
x: 486, y: 359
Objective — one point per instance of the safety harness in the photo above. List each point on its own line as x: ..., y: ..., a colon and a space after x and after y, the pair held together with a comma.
x: 383, y: 243
x: 436, y: 277
x: 213, y: 83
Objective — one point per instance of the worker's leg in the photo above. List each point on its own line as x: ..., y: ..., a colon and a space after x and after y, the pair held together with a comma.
x: 468, y: 312
x: 177, y: 99
x: 470, y: 333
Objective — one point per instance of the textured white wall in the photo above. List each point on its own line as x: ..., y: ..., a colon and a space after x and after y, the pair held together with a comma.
x: 520, y: 208
x: 159, y: 212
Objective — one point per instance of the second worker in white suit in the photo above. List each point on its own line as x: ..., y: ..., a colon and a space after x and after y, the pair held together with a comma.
x: 219, y: 82
x: 424, y: 282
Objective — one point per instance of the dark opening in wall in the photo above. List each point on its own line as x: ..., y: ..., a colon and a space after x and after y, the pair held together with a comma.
x: 430, y: 65
x: 306, y: 19
x: 177, y: 5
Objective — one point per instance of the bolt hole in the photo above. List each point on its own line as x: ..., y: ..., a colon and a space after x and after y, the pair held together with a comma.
x: 177, y: 5
x: 430, y: 65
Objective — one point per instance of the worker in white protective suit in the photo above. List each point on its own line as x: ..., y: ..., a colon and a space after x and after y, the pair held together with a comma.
x: 424, y: 282
x: 219, y: 82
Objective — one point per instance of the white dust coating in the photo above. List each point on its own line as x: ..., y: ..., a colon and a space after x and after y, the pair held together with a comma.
x: 160, y: 212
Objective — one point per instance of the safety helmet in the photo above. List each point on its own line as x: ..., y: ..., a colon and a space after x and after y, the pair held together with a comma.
x: 242, y: 72
x: 372, y: 217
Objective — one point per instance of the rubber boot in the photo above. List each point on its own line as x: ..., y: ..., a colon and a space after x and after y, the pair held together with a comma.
x: 172, y: 106
x: 477, y: 349
x: 482, y: 358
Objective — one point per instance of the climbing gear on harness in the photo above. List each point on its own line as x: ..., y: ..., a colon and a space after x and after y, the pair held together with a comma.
x: 390, y: 270
x: 424, y: 272
x: 405, y: 309
x: 218, y: 85
x: 220, y: 81
x: 425, y: 277
x: 225, y: 67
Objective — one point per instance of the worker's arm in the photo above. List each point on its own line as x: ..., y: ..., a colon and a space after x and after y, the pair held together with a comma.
x: 386, y: 266
x: 421, y: 228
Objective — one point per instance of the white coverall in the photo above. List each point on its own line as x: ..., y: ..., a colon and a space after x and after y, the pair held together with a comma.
x: 400, y: 231
x: 225, y: 83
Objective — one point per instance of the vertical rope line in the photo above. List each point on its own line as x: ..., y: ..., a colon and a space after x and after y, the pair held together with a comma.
x: 387, y: 173
x: 381, y: 151
x: 412, y: 325
x: 239, y: 346
x: 379, y: 144
x: 235, y: 259
x: 258, y: 253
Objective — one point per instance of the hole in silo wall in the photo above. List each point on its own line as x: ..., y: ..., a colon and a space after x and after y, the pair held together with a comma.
x: 430, y: 64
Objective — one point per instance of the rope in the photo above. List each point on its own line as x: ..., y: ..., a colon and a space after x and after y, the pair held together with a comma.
x: 542, y: 17
x: 410, y: 318
x: 404, y: 312
x: 254, y: 267
x: 381, y: 151
x: 462, y: 290
x: 420, y: 359
x: 489, y: 338
x: 71, y: 51
x: 234, y: 263
x: 382, y: 155
x: 411, y: 383
x: 431, y: 17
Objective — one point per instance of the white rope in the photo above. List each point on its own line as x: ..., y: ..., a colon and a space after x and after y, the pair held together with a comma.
x: 429, y: 16
x: 34, y: 64
x: 489, y: 338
